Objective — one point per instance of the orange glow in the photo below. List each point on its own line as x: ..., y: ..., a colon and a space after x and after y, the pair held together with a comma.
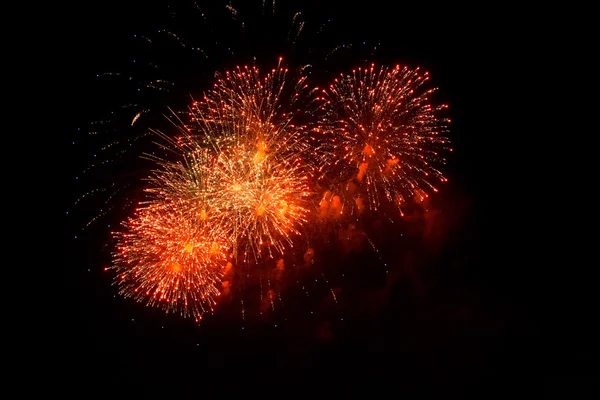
x: 360, y: 206
x: 176, y: 267
x: 260, y: 152
x: 215, y: 248
x: 309, y: 255
x: 283, y: 206
x: 280, y: 264
x: 362, y: 170
x: 390, y: 164
x: 336, y: 205
x: 228, y: 267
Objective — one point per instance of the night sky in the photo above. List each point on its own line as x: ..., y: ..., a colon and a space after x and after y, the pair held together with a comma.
x: 473, y: 304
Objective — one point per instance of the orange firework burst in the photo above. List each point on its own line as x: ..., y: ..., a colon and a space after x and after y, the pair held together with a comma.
x: 385, y: 135
x: 266, y: 199
x: 269, y: 111
x: 169, y: 261
x: 173, y: 251
x: 253, y: 123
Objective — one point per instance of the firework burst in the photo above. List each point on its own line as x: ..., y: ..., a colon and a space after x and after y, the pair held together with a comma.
x: 165, y: 259
x: 270, y: 111
x: 172, y: 253
x: 382, y: 135
x: 266, y: 201
x: 254, y: 125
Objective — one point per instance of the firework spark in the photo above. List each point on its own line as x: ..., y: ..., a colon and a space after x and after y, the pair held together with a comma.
x: 383, y: 135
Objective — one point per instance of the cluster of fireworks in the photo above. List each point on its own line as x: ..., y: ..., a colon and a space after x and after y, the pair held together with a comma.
x: 263, y: 156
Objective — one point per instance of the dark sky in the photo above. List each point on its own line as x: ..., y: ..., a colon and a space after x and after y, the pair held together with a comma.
x: 476, y: 305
